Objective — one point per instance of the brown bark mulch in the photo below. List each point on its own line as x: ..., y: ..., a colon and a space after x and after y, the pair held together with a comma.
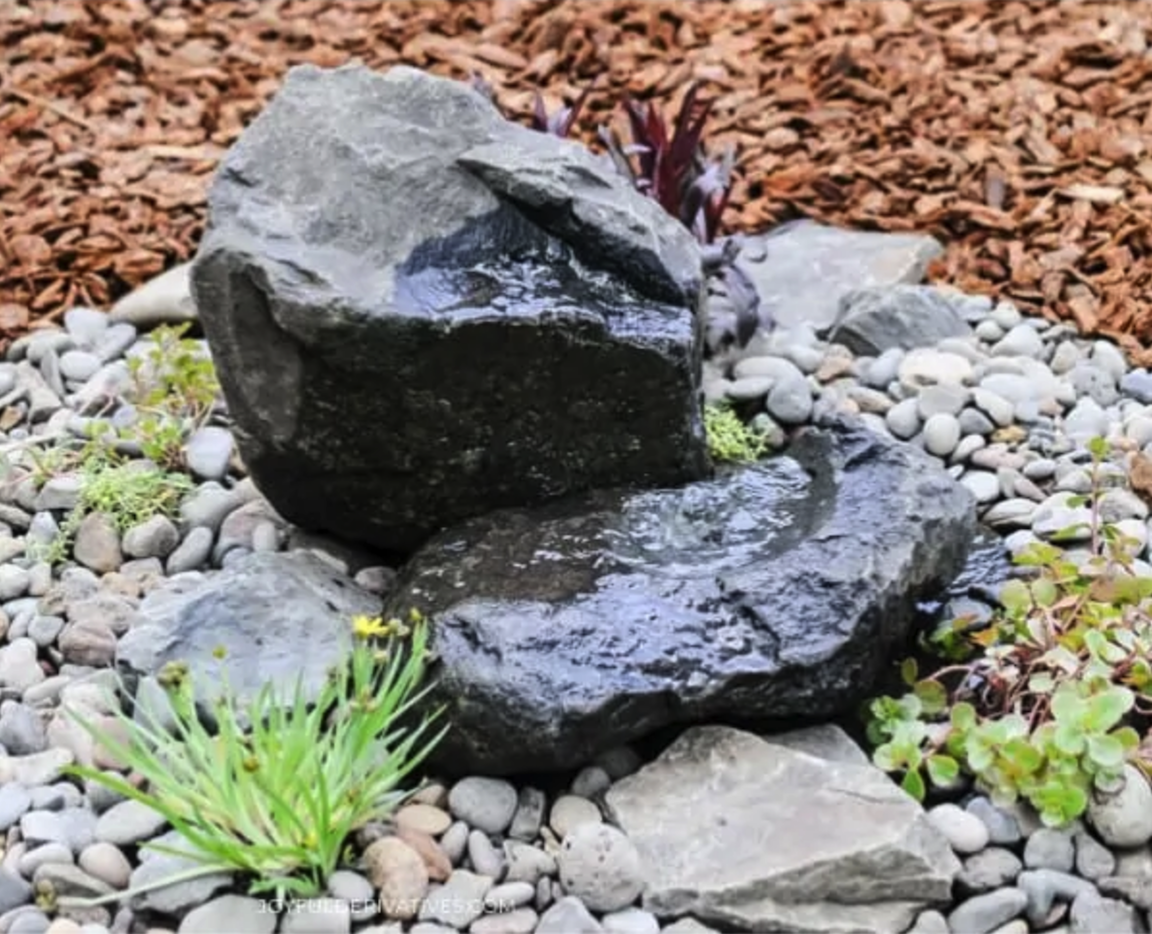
x: 1019, y: 133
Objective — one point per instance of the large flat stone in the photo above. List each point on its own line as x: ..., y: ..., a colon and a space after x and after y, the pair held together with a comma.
x: 808, y: 267
x: 278, y: 617
x: 753, y: 836
x: 775, y: 591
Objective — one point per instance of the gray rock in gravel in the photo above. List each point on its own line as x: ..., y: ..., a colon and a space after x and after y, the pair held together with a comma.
x: 165, y: 299
x: 1092, y: 913
x: 107, y: 863
x: 630, y: 921
x: 27, y: 920
x: 236, y: 914
x: 483, y: 855
x: 1050, y: 849
x: 69, y: 881
x: 156, y: 537
x: 278, y: 617
x: 516, y: 921
x: 14, y: 803
x: 993, y: 868
x: 808, y: 268
x: 1044, y: 887
x: 1124, y: 819
x: 1138, y: 385
x: 526, y: 863
x: 85, y: 325
x: 14, y: 891
x: 873, y: 320
x: 458, y: 902
x: 1093, y: 859
x: 529, y: 815
x: 929, y: 922
x: 601, y: 866
x: 192, y: 553
x: 772, y: 591
x: 1130, y: 888
x: 983, y: 914
x: 19, y: 667
x: 129, y: 822
x: 61, y: 492
x: 22, y: 730
x: 97, y: 544
x: 208, y: 451
x: 41, y: 768
x: 568, y: 916
x: 178, y: 897
x: 208, y: 506
x: 850, y: 851
x: 488, y: 804
x: 441, y: 238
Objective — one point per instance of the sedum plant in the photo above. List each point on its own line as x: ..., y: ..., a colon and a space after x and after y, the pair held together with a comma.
x: 173, y: 390
x: 128, y: 493
x: 277, y: 791
x: 1051, y: 700
x: 730, y: 439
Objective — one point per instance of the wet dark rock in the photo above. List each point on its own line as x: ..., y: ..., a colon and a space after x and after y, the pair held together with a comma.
x: 420, y: 311
x: 774, y: 591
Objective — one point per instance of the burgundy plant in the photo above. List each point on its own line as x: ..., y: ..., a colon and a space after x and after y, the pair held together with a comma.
x: 673, y: 169
x: 561, y: 122
x: 558, y: 124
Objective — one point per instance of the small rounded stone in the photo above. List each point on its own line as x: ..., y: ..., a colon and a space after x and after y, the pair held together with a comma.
x: 964, y: 831
x: 486, y: 804
x: 425, y: 818
x: 600, y: 866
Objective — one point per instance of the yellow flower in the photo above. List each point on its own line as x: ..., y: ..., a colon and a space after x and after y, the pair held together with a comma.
x: 368, y: 627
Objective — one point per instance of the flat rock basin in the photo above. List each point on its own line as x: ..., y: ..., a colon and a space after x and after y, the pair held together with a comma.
x: 773, y: 591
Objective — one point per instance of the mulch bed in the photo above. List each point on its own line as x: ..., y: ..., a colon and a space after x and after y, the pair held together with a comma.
x: 1019, y: 133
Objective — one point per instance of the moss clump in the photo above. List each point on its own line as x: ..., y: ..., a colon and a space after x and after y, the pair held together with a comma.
x: 729, y: 439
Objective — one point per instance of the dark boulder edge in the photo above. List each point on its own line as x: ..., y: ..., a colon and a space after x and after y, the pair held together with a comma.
x: 558, y: 636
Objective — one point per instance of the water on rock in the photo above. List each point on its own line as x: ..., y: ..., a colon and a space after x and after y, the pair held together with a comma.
x: 778, y: 590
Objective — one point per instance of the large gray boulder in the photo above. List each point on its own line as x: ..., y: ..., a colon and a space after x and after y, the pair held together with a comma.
x: 803, y: 269
x: 279, y: 618
x: 749, y: 835
x: 777, y: 590
x: 420, y: 311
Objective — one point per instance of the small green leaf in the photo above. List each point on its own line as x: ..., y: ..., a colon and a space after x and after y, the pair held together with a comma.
x: 885, y: 758
x: 913, y: 785
x: 1044, y: 592
x: 1067, y: 705
x: 1041, y: 683
x: 943, y: 770
x: 1022, y: 756
x: 1106, y: 751
x: 1105, y: 710
x: 1098, y: 448
x: 908, y: 671
x: 1015, y: 596
x: 1127, y: 737
x: 910, y: 707
x: 1069, y: 739
x: 964, y: 716
x: 933, y: 697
